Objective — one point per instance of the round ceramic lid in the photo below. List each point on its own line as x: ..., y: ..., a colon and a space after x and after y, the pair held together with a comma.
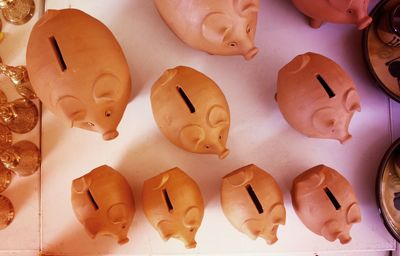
x: 383, y: 60
x: 6, y: 212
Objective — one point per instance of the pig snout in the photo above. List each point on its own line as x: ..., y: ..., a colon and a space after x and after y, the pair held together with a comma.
x: 123, y: 240
x: 344, y: 238
x: 190, y: 244
x: 224, y: 153
x: 247, y: 48
x: 109, y: 135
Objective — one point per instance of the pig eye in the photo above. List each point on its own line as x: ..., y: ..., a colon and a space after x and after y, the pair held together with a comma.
x: 191, y: 230
x: 107, y: 113
x: 349, y: 11
x: 232, y: 44
x: 207, y: 146
x: 248, y: 29
x: 90, y: 124
x: 220, y: 137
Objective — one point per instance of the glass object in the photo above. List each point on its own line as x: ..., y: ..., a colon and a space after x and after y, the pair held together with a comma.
x: 17, y: 12
x: 20, y: 115
x: 5, y: 178
x: 20, y: 79
x: 7, y: 212
x: 23, y: 158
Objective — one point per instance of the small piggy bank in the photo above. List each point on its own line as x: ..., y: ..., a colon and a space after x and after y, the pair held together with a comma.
x: 173, y: 204
x: 325, y: 202
x: 103, y: 202
x: 317, y: 97
x: 191, y: 111
x: 217, y: 27
x: 78, y: 70
x: 253, y: 203
x: 336, y: 11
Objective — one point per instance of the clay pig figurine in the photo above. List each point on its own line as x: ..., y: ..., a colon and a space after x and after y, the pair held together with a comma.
x: 253, y: 202
x: 103, y: 202
x: 335, y: 11
x: 217, y: 27
x: 173, y: 204
x: 325, y: 202
x: 78, y: 70
x: 317, y: 97
x: 191, y: 111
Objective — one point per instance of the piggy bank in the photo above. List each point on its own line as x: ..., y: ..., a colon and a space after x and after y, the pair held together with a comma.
x: 336, y: 11
x: 78, y: 70
x: 317, y: 97
x: 103, y: 202
x: 217, y: 27
x: 325, y: 202
x: 253, y: 203
x: 173, y: 204
x: 191, y: 111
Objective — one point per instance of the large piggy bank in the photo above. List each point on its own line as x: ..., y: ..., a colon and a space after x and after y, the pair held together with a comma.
x: 253, y: 203
x: 336, y: 11
x: 191, y: 111
x: 78, y: 70
x: 103, y: 202
x: 317, y: 97
x: 173, y: 204
x: 325, y: 202
x: 223, y: 27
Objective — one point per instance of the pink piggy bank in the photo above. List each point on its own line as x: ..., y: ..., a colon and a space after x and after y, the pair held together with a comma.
x: 317, y: 97
x: 103, y: 202
x: 191, y: 111
x: 78, y: 70
x: 336, y: 11
x: 223, y: 27
x: 253, y: 202
x: 325, y: 202
x: 173, y: 204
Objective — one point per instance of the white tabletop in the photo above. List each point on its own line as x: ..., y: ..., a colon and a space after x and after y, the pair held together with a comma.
x: 258, y: 135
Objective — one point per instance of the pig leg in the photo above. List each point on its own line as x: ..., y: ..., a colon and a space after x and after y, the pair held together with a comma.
x: 314, y: 23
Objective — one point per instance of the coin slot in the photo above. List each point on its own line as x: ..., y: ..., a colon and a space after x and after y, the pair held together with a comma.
x: 58, y: 53
x: 167, y: 200
x: 96, y: 206
x: 325, y: 85
x: 332, y: 198
x: 186, y: 99
x: 254, y: 198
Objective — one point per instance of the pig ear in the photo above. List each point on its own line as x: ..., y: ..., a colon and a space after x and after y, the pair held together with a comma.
x: 298, y: 63
x: 341, y: 5
x: 252, y: 228
x: 244, y: 7
x: 278, y: 214
x: 117, y: 213
x: 81, y: 184
x: 191, y: 136
x: 92, y: 226
x: 352, y: 101
x: 353, y: 214
x: 192, y: 217
x: 323, y: 121
x: 72, y: 108
x: 106, y: 87
x: 240, y: 178
x: 166, y: 229
x: 217, y: 116
x: 163, y: 180
x: 309, y: 184
x: 216, y: 27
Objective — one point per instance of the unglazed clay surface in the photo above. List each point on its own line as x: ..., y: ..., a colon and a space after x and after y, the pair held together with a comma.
x: 336, y: 11
x: 78, y: 70
x: 173, y: 204
x: 191, y: 111
x: 252, y: 201
x: 103, y: 202
x: 325, y: 202
x: 217, y: 27
x: 317, y: 97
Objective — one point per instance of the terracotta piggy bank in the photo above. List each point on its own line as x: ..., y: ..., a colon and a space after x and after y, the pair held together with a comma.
x: 336, y: 11
x: 103, y: 202
x: 253, y: 203
x: 217, y: 27
x: 78, y: 70
x: 325, y: 202
x: 173, y: 204
x: 191, y: 111
x: 317, y: 97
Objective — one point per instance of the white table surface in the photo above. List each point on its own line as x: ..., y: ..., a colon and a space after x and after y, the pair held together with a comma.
x: 258, y: 135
